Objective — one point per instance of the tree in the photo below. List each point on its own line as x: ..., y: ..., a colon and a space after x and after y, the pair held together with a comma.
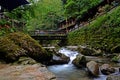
x: 76, y: 8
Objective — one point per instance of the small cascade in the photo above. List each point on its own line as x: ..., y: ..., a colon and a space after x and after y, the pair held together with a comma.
x: 71, y: 54
x: 70, y: 72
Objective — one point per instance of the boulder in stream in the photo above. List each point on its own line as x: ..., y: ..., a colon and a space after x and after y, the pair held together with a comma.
x: 80, y: 61
x: 58, y: 58
x: 93, y: 68
x: 106, y: 69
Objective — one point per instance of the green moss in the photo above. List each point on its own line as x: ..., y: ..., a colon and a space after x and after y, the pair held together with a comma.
x: 17, y: 44
x: 102, y: 33
x: 8, y: 50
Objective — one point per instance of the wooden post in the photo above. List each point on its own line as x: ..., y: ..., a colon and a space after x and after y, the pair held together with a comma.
x: 66, y: 25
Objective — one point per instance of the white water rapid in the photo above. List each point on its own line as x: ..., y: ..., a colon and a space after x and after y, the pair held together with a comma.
x: 71, y: 54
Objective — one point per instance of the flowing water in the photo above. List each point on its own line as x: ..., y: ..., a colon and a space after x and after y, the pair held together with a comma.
x: 69, y: 71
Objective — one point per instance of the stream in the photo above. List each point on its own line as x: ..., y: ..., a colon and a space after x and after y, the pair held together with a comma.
x: 69, y: 71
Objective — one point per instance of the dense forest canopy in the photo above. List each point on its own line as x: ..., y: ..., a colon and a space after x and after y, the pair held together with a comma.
x: 77, y: 8
x: 39, y: 14
x: 48, y: 13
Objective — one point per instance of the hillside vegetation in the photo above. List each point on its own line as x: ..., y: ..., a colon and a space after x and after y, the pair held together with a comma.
x: 103, y: 33
x: 78, y: 8
x: 43, y: 14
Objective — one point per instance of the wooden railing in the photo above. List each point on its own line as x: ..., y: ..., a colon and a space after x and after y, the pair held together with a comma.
x: 48, y: 35
x: 45, y: 32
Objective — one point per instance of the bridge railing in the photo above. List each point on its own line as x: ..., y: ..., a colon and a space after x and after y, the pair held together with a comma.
x: 47, y: 33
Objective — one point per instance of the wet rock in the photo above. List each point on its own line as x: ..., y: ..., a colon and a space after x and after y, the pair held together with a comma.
x: 25, y: 72
x: 106, y: 69
x: 80, y: 61
x: 15, y: 45
x: 59, y: 59
x: 93, y: 68
x: 113, y: 77
x: 85, y: 51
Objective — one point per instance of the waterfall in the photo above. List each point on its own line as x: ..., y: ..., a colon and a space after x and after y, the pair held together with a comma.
x: 71, y: 54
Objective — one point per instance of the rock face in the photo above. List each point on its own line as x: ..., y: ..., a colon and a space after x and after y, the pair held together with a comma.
x: 25, y: 72
x: 15, y: 45
x: 80, y: 61
x: 93, y: 68
x: 107, y: 69
x: 113, y: 77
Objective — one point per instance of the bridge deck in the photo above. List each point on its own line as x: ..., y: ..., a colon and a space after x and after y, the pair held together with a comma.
x: 48, y: 35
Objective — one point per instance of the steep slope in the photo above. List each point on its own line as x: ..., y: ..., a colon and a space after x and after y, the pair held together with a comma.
x: 103, y: 33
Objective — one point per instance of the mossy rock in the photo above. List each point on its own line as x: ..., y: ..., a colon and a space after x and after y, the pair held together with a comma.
x: 86, y: 51
x: 15, y: 45
x: 9, y: 51
x: 25, y: 61
x: 80, y: 61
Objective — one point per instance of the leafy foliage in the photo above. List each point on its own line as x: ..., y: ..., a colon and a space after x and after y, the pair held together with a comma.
x: 102, y: 33
x: 79, y: 7
x: 40, y: 14
x: 47, y: 15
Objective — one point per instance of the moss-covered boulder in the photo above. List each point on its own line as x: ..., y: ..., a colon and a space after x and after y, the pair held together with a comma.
x: 26, y: 61
x: 15, y: 45
x: 85, y: 51
x: 80, y: 61
x: 9, y: 51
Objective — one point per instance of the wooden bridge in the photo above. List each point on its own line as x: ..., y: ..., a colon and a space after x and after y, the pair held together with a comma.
x: 60, y: 34
x: 48, y: 35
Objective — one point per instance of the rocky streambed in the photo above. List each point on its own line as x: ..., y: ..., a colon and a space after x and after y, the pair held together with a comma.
x: 81, y: 67
x: 23, y: 58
